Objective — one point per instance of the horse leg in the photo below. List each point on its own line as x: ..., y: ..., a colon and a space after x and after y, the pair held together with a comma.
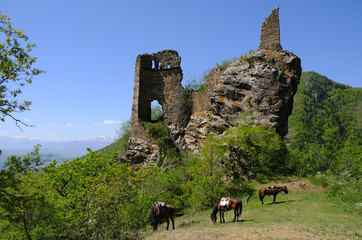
x: 168, y: 222
x: 235, y: 213
x: 220, y: 216
x: 173, y: 223
x: 240, y: 211
x: 274, y: 197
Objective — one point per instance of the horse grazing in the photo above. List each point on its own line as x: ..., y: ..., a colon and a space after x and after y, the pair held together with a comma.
x: 271, y: 190
x: 232, y: 203
x: 161, y: 211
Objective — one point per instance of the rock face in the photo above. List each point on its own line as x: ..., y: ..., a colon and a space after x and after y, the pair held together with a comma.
x: 262, y: 82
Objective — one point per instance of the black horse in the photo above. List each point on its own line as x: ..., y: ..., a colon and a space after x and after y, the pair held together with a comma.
x: 161, y: 211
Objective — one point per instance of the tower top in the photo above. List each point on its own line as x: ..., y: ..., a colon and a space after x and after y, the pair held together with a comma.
x: 270, y: 32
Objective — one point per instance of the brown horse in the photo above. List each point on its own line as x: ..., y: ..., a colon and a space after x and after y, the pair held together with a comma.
x: 161, y: 211
x: 233, y: 203
x: 271, y: 190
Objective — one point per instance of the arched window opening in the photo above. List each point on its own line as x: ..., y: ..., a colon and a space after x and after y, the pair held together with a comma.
x: 156, y: 111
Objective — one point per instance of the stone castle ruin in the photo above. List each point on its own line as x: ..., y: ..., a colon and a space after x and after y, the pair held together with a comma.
x: 262, y: 82
x: 270, y: 33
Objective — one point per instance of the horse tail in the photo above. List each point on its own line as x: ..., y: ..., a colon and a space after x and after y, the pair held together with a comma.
x: 179, y: 214
x: 240, y: 207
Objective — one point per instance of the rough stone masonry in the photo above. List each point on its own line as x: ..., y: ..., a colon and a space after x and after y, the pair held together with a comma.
x: 262, y: 82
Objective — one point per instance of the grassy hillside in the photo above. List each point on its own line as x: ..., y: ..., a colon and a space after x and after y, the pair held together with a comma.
x: 118, y: 147
x: 307, y: 212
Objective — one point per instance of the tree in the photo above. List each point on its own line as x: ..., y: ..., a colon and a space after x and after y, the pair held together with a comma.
x: 156, y: 113
x: 16, y: 69
x: 22, y: 196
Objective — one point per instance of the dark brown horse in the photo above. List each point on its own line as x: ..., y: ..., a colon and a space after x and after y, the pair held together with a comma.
x: 271, y: 190
x: 161, y: 211
x: 233, y: 203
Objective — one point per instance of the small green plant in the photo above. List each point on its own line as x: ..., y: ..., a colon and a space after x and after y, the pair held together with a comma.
x: 251, y: 59
x: 196, y: 83
x: 160, y: 132
x: 226, y: 63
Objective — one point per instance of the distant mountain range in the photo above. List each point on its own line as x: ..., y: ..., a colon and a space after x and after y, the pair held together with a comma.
x: 56, y: 150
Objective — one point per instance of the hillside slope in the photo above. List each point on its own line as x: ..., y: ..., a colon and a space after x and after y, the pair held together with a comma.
x: 307, y: 212
x: 325, y: 127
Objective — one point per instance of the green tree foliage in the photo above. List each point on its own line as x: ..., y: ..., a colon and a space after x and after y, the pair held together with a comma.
x: 206, y: 174
x: 16, y: 69
x: 326, y: 135
x: 23, y: 201
x: 94, y: 197
x: 325, y: 123
x: 156, y: 113
x: 255, y: 152
x: 160, y: 132
x: 224, y: 163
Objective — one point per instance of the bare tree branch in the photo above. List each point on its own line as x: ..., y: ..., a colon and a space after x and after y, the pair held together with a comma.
x: 17, y: 121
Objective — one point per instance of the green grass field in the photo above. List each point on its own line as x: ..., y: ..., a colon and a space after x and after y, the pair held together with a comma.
x: 307, y: 212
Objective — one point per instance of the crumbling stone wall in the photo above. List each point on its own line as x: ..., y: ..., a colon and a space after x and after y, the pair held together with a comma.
x: 158, y: 77
x: 201, y: 100
x: 270, y: 33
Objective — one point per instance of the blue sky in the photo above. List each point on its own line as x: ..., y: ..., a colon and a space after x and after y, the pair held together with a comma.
x: 89, y: 49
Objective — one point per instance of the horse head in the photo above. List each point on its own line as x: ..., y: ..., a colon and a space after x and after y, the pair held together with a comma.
x: 214, y: 213
x: 153, y: 218
x: 213, y: 219
x: 285, y: 189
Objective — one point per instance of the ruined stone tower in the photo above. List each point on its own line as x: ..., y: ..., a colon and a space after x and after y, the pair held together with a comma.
x: 263, y: 82
x: 158, y: 77
x: 270, y: 33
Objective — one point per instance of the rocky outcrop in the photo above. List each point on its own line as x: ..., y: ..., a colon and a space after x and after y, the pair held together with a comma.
x: 263, y: 82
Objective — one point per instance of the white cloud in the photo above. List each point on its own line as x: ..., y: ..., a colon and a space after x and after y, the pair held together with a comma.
x: 27, y: 120
x: 111, y: 122
x: 72, y: 124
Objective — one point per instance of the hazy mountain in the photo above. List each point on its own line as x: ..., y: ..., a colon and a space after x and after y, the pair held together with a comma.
x: 59, y: 150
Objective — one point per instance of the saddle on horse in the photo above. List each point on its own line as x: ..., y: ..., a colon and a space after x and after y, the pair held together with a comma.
x: 158, y: 206
x: 224, y: 202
